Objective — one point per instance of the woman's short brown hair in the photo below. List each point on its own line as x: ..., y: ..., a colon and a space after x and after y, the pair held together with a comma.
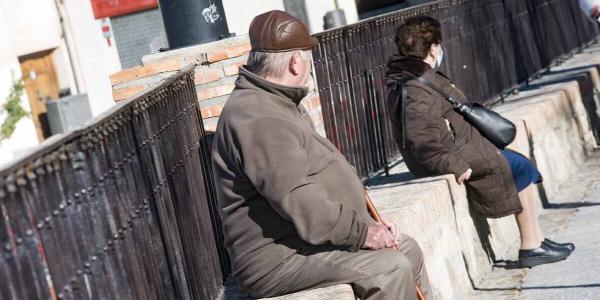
x: 416, y: 35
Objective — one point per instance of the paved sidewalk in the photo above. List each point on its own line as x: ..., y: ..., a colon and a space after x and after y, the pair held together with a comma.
x: 573, y: 215
x: 578, y: 277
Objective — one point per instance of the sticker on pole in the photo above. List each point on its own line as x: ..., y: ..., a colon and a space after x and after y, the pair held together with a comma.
x: 211, y: 14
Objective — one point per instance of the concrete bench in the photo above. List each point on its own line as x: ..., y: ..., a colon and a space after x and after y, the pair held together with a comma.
x: 336, y: 292
x: 460, y: 247
x: 424, y: 210
x: 558, y: 128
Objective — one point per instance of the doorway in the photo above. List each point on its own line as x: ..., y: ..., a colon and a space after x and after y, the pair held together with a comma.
x: 41, y: 84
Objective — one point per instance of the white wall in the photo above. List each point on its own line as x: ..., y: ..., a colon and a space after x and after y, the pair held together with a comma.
x: 64, y: 73
x: 240, y: 13
x: 33, y: 25
x: 94, y: 59
x: 30, y: 26
x: 24, y: 136
x: 316, y: 9
x: 349, y: 7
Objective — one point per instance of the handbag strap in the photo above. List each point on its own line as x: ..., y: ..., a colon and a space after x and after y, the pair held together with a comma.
x: 438, y: 90
x: 403, y: 94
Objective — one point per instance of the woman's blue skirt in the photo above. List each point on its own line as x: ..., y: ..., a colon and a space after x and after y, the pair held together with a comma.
x: 523, y: 171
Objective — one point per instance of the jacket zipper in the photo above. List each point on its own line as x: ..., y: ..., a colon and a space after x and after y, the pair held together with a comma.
x: 450, y: 129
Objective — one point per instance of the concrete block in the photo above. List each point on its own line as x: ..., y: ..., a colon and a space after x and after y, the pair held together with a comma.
x: 589, y: 83
x: 423, y: 208
x: 198, y: 54
x: 588, y: 80
x: 217, y: 91
x: 228, y: 52
x: 233, y: 69
x: 211, y: 111
x: 460, y: 246
x: 336, y: 292
x: 146, y: 70
x: 205, y: 75
x: 124, y: 93
x: 557, y: 125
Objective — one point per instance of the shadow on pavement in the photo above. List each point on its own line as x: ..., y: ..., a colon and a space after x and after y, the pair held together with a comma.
x: 575, y: 286
x: 507, y: 264
x: 572, y: 205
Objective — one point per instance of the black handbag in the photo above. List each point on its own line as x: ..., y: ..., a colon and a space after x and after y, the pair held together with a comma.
x: 497, y: 129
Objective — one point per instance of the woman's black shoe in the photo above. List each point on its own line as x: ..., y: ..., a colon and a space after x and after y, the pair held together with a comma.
x: 542, y: 255
x: 550, y: 243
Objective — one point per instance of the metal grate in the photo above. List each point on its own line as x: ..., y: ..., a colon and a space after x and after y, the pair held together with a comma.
x: 137, y: 35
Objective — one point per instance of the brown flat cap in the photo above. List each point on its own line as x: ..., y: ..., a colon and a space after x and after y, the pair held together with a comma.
x: 278, y: 31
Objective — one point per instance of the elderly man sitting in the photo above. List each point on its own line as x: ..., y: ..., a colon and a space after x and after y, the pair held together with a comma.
x: 293, y: 209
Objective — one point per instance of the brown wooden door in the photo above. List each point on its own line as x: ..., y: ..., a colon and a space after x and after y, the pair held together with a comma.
x: 39, y: 76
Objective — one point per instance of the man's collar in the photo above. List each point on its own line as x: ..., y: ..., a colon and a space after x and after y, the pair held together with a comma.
x: 293, y: 93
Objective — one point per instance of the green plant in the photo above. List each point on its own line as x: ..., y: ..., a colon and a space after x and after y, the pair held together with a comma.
x: 13, y: 109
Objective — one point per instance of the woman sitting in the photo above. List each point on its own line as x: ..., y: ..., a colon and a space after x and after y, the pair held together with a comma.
x: 435, y: 139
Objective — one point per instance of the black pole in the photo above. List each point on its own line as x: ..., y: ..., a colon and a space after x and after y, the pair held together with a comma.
x: 192, y: 22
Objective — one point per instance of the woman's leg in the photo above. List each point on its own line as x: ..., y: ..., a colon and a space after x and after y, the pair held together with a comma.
x: 534, y: 251
x: 529, y: 227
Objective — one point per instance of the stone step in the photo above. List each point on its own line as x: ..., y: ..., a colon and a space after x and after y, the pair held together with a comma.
x: 558, y: 128
x: 459, y: 246
x: 423, y: 209
x: 336, y: 292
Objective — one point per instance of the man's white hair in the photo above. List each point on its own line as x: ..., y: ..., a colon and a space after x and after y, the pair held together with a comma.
x: 272, y: 64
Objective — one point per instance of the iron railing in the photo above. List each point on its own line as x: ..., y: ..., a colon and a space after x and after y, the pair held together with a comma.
x: 491, y: 47
x: 120, y: 209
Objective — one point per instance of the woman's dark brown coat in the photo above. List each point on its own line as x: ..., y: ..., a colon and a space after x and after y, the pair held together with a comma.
x: 439, y: 141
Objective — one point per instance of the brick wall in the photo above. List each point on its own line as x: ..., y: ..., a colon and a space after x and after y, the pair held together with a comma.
x: 217, y: 65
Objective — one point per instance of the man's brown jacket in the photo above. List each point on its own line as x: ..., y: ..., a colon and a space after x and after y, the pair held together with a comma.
x: 281, y: 186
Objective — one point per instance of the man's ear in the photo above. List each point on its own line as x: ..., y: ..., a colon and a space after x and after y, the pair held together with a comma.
x: 295, y: 63
x: 432, y: 51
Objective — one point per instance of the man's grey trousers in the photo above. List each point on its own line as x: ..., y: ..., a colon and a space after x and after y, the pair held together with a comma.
x: 383, y: 274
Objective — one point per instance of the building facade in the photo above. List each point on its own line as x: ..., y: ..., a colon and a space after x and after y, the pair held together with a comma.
x: 56, y: 48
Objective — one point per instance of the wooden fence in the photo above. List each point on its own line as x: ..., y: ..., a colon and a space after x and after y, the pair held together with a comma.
x: 121, y: 209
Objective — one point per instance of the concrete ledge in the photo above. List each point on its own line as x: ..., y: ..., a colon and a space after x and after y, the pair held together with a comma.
x: 460, y: 247
x: 336, y: 292
x: 588, y: 79
x: 558, y: 129
x: 423, y: 209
